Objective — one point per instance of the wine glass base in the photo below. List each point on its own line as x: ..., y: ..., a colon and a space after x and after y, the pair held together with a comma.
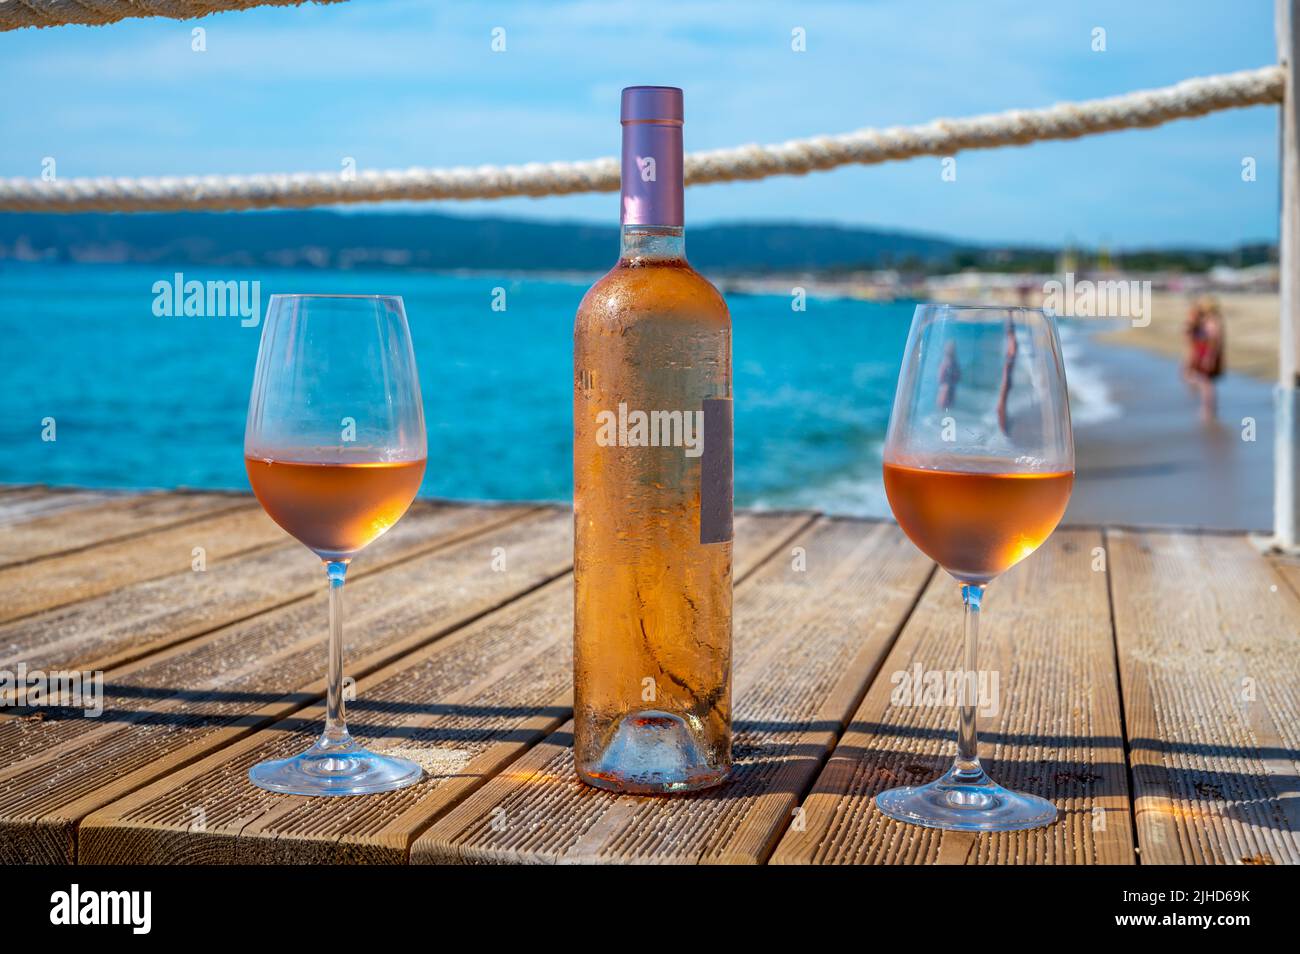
x: 965, y: 802
x: 339, y: 769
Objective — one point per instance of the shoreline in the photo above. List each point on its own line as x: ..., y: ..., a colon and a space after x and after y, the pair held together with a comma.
x: 1155, y: 463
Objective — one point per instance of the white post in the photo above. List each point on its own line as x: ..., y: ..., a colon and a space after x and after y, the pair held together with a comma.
x: 1286, y: 424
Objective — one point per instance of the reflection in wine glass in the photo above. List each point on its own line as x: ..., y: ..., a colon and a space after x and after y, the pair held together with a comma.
x: 335, y: 449
x: 979, y: 465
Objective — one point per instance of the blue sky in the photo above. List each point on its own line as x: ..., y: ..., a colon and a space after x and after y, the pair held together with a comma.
x: 398, y: 83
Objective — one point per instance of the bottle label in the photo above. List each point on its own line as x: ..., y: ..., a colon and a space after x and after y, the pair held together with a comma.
x: 716, y: 473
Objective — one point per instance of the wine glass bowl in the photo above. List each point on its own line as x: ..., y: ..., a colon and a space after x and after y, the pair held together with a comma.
x: 334, y: 508
x: 974, y: 519
x: 978, y: 469
x: 335, y: 450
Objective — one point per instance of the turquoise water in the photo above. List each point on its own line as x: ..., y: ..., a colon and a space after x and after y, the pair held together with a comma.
x: 141, y: 401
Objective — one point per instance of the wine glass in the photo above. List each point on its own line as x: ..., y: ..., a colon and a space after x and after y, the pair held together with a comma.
x: 979, y: 464
x: 335, y: 449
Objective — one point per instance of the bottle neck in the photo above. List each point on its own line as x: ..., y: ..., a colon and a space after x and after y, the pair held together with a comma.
x: 652, y: 194
x: 653, y: 243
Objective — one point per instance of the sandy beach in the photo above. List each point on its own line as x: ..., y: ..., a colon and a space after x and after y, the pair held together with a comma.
x: 1250, y: 317
x: 1154, y: 462
x: 1250, y: 320
x: 1151, y: 460
x: 1147, y: 459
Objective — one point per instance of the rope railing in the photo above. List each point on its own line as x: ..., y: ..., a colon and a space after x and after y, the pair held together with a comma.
x: 941, y: 137
x: 16, y: 14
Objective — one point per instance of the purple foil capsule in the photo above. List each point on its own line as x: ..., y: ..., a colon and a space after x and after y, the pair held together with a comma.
x: 652, y: 156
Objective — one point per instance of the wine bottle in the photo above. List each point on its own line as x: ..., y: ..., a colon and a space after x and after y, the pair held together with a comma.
x: 652, y: 466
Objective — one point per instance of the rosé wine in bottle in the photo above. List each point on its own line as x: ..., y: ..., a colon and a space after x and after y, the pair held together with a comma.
x: 652, y: 474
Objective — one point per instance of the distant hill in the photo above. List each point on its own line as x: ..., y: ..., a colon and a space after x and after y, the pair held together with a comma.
x: 439, y: 242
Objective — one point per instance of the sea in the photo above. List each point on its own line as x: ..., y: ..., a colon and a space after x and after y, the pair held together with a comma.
x: 141, y: 400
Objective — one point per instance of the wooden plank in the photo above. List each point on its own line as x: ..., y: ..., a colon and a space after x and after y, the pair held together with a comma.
x: 44, y: 584
x: 1055, y: 731
x: 16, y: 496
x: 180, y: 704
x: 32, y: 503
x: 1209, y: 649
x: 18, y: 493
x: 463, y: 707
x: 134, y: 620
x: 806, y: 643
x: 1288, y: 565
x: 114, y: 519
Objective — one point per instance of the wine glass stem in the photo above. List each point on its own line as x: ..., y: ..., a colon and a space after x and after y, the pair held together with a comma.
x: 336, y: 730
x: 968, y: 759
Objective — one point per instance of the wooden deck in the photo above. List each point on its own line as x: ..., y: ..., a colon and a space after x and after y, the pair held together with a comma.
x: 1149, y: 686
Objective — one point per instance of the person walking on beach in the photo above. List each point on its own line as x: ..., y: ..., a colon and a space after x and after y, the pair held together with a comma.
x: 1205, y: 345
x: 1008, y: 365
x: 1194, y: 334
x: 949, y: 375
